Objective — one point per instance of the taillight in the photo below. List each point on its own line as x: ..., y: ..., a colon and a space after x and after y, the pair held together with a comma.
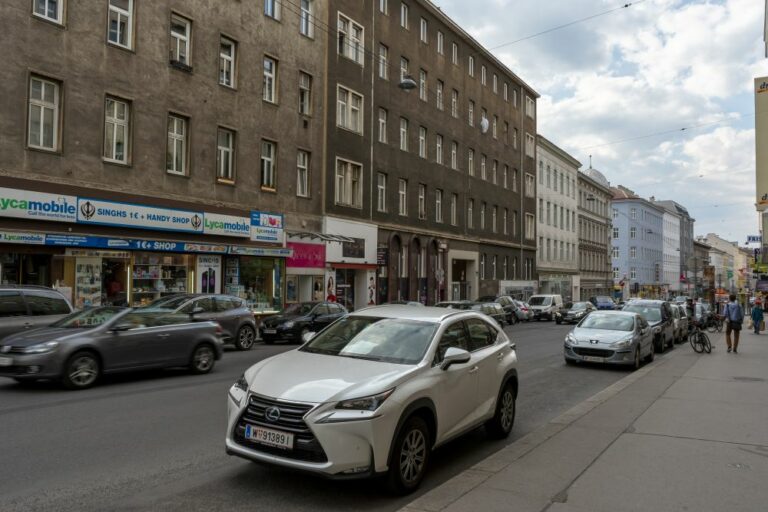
x: 219, y: 330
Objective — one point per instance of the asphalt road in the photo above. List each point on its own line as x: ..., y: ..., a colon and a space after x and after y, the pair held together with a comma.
x: 155, y: 441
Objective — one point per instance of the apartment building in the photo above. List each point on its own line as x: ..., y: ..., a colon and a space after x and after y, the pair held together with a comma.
x: 685, y: 239
x: 595, y: 229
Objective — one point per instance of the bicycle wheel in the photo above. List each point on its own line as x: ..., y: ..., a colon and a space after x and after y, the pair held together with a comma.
x: 698, y: 342
x: 712, y: 327
x: 692, y: 339
x: 707, y: 343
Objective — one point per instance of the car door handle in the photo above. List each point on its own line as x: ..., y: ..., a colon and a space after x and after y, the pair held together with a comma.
x: 163, y: 335
x: 473, y: 370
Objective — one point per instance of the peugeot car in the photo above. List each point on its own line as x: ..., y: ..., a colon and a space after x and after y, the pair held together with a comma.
x: 613, y: 337
x: 375, y: 393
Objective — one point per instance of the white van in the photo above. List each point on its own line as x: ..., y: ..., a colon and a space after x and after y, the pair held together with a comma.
x: 545, y: 306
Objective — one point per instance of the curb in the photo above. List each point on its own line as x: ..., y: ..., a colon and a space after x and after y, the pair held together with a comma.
x: 453, y: 489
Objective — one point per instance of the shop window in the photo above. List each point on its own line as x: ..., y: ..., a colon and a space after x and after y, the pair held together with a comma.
x: 157, y: 275
x: 261, y: 282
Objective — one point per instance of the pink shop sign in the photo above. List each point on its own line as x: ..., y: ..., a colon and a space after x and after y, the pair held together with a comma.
x: 306, y: 255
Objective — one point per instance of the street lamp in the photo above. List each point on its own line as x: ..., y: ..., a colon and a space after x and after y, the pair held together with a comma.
x: 407, y: 83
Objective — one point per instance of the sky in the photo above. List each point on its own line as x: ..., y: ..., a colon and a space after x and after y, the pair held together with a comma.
x: 656, y: 66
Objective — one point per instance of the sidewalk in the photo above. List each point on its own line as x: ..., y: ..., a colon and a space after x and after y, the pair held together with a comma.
x: 686, y: 433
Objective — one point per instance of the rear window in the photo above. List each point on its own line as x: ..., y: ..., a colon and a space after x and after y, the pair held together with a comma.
x: 11, y: 304
x: 43, y: 303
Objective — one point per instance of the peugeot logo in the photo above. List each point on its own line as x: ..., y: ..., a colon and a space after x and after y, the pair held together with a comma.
x: 88, y: 210
x: 196, y: 221
x: 272, y: 413
x: 594, y: 342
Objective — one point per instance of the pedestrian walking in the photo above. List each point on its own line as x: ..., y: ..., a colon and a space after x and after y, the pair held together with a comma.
x: 757, y: 315
x: 734, y: 315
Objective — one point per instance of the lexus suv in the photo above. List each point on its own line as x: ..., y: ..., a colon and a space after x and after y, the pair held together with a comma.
x: 375, y: 392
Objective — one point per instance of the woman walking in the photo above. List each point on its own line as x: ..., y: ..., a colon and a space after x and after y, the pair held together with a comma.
x: 757, y: 315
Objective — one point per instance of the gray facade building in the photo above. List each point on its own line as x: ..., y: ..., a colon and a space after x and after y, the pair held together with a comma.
x: 686, y: 236
x: 595, y: 228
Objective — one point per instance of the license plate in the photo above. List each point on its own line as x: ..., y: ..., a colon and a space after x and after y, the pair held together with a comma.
x: 269, y: 437
x: 593, y: 359
x: 270, y: 331
x: 6, y: 361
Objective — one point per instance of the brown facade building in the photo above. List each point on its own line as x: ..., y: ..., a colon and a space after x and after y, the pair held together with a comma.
x: 264, y: 149
x: 595, y: 228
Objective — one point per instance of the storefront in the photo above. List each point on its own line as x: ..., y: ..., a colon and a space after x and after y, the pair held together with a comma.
x: 350, y: 276
x: 79, y: 246
x: 305, y: 280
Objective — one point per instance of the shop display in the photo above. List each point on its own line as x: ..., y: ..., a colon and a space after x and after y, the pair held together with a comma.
x: 87, y: 282
x: 155, y: 275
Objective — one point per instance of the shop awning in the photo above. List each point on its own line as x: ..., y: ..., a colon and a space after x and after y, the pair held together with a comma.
x: 325, y: 237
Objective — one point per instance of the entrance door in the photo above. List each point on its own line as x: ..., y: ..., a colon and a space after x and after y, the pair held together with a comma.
x: 345, y: 288
x: 114, y: 282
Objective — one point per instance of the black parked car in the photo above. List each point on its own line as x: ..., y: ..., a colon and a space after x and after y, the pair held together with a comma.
x: 573, y: 312
x: 493, y: 310
x: 299, y: 319
x: 231, y: 313
x: 658, y: 313
x: 508, y: 303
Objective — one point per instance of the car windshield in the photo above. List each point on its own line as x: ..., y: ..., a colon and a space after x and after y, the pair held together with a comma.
x: 608, y: 322
x: 299, y: 309
x: 579, y: 306
x: 390, y: 340
x: 604, y: 299
x: 540, y: 301
x: 651, y: 313
x: 170, y: 303
x: 88, y: 318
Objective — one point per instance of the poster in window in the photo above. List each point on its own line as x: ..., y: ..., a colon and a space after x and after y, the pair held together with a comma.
x: 291, y: 288
x: 353, y: 249
x: 208, y: 273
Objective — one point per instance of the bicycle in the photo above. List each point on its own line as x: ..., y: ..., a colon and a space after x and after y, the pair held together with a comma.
x: 716, y: 324
x: 699, y: 340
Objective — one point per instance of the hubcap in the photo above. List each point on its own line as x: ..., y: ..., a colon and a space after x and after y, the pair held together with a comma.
x: 203, y: 358
x: 507, y: 410
x: 246, y: 337
x: 413, y: 455
x: 83, y: 371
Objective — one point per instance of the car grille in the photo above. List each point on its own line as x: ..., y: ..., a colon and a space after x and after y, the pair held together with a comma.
x: 593, y: 352
x: 11, y: 350
x: 305, y: 445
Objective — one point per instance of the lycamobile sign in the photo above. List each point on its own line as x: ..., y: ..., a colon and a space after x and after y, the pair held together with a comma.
x: 24, y: 204
x: 226, y: 225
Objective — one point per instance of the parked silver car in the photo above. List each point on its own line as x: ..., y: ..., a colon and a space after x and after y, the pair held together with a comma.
x: 26, y: 307
x: 680, y: 317
x: 614, y: 337
x: 524, y: 312
x: 84, y: 345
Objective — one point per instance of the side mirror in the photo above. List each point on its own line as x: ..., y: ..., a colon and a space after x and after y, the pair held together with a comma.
x: 307, y: 336
x: 121, y: 327
x: 454, y: 356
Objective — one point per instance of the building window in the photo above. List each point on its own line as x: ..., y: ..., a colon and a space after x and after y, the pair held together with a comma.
x: 633, y: 232
x: 381, y: 195
x: 383, y: 7
x: 495, y: 84
x: 350, y: 110
x: 454, y: 155
x: 615, y: 252
x: 505, y: 177
x: 439, y: 149
x: 482, y: 266
x: 505, y: 265
x: 402, y: 197
x: 482, y: 215
x: 51, y: 10
x: 305, y: 94
x: 455, y: 103
x: 471, y: 66
x: 530, y: 185
x: 504, y: 225
x: 383, y: 125
x: 268, y: 163
x: 227, y: 62
x: 494, y: 172
x: 176, y: 154
x: 494, y: 214
x: 306, y: 18
x: 423, y: 30
x: 438, y: 205
x: 120, y: 24
x: 514, y: 222
x: 482, y: 75
x: 455, y: 53
x: 470, y: 209
x: 471, y: 162
x: 116, y: 130
x: 454, y: 209
x: 530, y: 107
x: 515, y: 179
x: 302, y: 174
x: 404, y: 15
x: 422, y: 85
x: 422, y: 142
x: 349, y: 186
x: 633, y: 252
x: 439, y: 94
x: 494, y: 127
x: 615, y: 213
x: 632, y: 273
x: 44, y: 112
x: 383, y: 62
x: 181, y: 35
x: 269, y: 91
x: 351, y: 39
x: 633, y: 213
x: 471, y: 114
x: 403, y: 134
x: 483, y: 173
x: 514, y: 138
x: 530, y: 226
x: 225, y: 155
x: 440, y: 43
x: 422, y: 201
x: 615, y: 273
x: 530, y: 145
x: 505, y: 91
x: 272, y: 8
x: 514, y: 98
x: 615, y: 233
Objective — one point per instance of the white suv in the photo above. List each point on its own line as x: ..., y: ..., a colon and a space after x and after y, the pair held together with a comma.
x: 375, y: 392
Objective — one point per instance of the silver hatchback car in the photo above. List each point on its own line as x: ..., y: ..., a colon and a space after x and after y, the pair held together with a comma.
x: 614, y: 337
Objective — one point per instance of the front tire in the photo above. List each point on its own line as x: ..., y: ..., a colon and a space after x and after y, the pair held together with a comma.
x: 410, y: 456
x: 203, y: 359
x: 651, y: 355
x: 637, y: 362
x: 81, y: 371
x: 246, y: 336
x: 501, y: 424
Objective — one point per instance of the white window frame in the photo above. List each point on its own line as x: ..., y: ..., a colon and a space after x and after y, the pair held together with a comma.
x: 303, y: 160
x: 454, y: 155
x: 439, y: 206
x: 403, y: 134
x: 530, y: 185
x: 471, y: 66
x: 471, y: 162
x: 422, y: 142
x: 383, y: 7
x: 423, y: 35
x: 470, y: 210
x: 455, y: 103
x: 494, y: 127
x: 305, y: 93
x: 439, y: 94
x: 383, y: 114
x: 272, y: 9
x: 483, y: 74
x: 615, y: 233
x: 422, y: 210
x: 404, y: 64
x: 228, y: 150
x: 530, y: 107
x: 505, y: 91
x: 482, y: 215
x: 505, y: 176
x: 404, y: 15
x: 530, y: 227
x: 439, y: 149
x: 381, y: 194
x: 179, y: 40
x: 530, y: 145
x: 349, y: 183
x: 454, y: 209
x: 495, y: 172
x: 455, y: 54
x: 177, y: 135
x: 269, y: 84
x: 44, y: 106
x: 471, y: 113
x: 351, y: 39
x: 483, y: 169
x: 383, y: 61
x: 402, y: 197
x: 505, y: 226
x: 306, y: 18
x: 112, y: 123
x: 268, y: 165
x: 58, y: 14
x: 495, y: 83
x: 227, y: 70
x: 122, y: 16
x: 440, y: 43
x: 349, y: 109
x: 633, y: 233
x: 494, y: 215
x: 422, y: 85
x: 515, y: 178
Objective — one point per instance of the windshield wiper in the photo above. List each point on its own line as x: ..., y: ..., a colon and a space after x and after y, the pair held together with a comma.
x: 367, y: 358
x: 324, y: 351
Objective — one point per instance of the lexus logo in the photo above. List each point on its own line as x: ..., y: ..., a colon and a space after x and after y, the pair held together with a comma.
x: 196, y: 221
x: 88, y: 210
x: 272, y: 413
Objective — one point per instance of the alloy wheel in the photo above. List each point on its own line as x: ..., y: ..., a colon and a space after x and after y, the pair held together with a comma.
x: 203, y: 359
x: 246, y: 338
x: 507, y: 410
x: 83, y: 371
x: 413, y: 454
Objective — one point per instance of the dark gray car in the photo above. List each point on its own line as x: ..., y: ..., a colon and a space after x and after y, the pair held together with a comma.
x: 658, y: 313
x: 232, y: 313
x: 84, y: 345
x: 26, y: 307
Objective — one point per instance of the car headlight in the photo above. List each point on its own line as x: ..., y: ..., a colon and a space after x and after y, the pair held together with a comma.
x: 571, y: 339
x: 290, y: 324
x: 366, y: 403
x: 622, y: 343
x: 239, y: 390
x: 41, y: 348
